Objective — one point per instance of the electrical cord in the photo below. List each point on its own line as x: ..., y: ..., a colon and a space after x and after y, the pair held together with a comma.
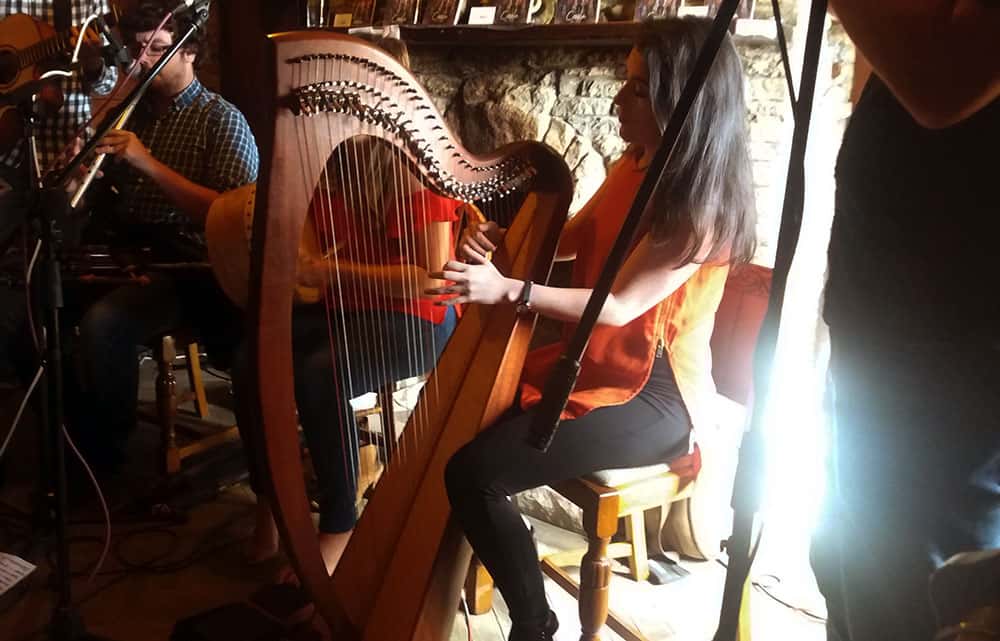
x: 20, y: 410
x: 153, y: 565
x: 29, y: 270
x: 467, y: 615
x: 496, y: 617
x: 217, y: 374
x: 100, y: 498
x: 766, y: 590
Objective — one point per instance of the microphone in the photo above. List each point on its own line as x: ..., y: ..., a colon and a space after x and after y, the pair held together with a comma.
x: 115, y: 52
x: 188, y: 5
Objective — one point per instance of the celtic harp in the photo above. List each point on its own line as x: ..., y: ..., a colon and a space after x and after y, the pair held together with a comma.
x: 332, y: 94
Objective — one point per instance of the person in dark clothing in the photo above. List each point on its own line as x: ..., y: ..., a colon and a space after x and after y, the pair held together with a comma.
x: 913, y: 316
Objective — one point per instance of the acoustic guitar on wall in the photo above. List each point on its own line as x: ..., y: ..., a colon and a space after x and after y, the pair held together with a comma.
x: 27, y: 45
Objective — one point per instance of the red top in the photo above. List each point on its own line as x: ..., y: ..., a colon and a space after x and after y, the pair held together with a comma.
x: 398, y: 243
x: 618, y: 360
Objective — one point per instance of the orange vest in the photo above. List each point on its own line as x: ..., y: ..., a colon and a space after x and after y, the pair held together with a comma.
x: 618, y: 360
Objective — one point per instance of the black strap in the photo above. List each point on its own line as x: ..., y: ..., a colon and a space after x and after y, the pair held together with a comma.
x: 63, y: 18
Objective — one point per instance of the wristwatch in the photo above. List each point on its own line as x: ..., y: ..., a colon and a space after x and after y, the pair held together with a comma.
x: 524, y: 302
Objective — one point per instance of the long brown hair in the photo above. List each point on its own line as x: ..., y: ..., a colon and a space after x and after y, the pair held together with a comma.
x: 705, y: 193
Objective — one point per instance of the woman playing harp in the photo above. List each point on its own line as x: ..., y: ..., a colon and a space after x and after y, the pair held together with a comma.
x: 646, y: 375
x: 378, y: 233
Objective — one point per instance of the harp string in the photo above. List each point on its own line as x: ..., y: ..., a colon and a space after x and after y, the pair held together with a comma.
x: 337, y: 337
x: 380, y: 188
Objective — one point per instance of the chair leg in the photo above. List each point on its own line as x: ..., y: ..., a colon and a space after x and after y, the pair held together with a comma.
x: 195, y: 379
x: 638, y: 559
x: 595, y: 579
x: 388, y: 417
x: 166, y: 403
x: 478, y: 588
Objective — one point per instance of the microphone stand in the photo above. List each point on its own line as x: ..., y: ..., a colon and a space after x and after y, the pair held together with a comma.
x: 49, y: 201
x: 747, y: 488
x: 748, y: 484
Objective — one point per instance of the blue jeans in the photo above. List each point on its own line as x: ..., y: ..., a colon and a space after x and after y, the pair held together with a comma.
x: 111, y: 332
x: 338, y: 358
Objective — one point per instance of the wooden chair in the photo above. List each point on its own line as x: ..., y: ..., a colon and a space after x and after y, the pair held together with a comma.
x: 203, y: 435
x: 608, y: 496
x: 378, y: 440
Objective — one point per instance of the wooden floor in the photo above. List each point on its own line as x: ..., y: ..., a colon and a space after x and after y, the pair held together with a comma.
x: 160, y: 572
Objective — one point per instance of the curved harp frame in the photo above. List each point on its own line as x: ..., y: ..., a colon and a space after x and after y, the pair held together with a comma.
x: 405, y: 561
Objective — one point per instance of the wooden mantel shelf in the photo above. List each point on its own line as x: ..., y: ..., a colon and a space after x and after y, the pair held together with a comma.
x: 601, y: 34
x: 606, y: 34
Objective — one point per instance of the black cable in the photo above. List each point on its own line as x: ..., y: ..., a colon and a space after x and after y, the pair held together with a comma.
x: 219, y: 375
x: 766, y: 589
x: 760, y: 587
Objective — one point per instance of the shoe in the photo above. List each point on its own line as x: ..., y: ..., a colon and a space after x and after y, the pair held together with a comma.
x: 547, y: 632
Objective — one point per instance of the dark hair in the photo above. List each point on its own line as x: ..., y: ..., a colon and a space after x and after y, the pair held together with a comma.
x: 148, y: 14
x: 705, y: 193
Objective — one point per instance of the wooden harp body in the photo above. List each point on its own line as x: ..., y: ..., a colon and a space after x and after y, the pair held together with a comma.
x: 401, y: 575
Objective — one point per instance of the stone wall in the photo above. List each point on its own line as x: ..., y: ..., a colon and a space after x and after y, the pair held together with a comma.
x: 563, y: 96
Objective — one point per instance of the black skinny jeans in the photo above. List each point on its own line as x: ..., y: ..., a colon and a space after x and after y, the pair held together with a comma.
x: 651, y: 428
x: 377, y: 346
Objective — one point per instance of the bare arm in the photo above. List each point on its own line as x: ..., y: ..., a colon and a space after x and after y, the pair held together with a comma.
x: 569, y: 239
x: 647, y: 278
x: 432, y: 246
x: 941, y: 58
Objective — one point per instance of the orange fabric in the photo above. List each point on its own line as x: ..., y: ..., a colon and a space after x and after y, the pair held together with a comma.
x: 364, y: 245
x: 618, y: 360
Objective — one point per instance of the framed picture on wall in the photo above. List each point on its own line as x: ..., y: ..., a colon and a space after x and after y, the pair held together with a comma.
x: 443, y: 12
x: 482, y: 11
x: 652, y: 9
x: 400, y: 12
x: 363, y: 13
x: 512, y: 12
x: 341, y: 13
x: 711, y: 7
x: 576, y: 11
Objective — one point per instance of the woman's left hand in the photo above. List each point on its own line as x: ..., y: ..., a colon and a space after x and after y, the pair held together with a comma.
x: 477, y: 281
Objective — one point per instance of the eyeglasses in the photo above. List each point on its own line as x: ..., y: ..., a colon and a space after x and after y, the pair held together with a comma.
x: 153, y: 53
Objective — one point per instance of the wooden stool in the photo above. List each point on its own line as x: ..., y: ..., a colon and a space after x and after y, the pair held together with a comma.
x: 604, y: 498
x: 167, y: 400
x: 389, y: 430
x: 378, y: 444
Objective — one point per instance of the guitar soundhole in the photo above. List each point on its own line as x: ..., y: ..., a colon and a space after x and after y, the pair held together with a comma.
x: 9, y: 67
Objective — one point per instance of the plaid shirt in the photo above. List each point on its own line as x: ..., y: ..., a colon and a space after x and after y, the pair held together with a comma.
x: 200, y: 136
x: 56, y: 131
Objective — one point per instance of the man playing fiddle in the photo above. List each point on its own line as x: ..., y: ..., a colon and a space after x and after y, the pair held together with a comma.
x: 183, y: 147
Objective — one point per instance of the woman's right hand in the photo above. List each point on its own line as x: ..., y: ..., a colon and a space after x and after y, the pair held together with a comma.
x: 479, y: 240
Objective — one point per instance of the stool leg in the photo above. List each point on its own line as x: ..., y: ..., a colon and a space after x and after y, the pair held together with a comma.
x: 166, y: 403
x: 388, y: 420
x: 635, y: 533
x: 478, y: 587
x: 595, y: 579
x: 195, y: 380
